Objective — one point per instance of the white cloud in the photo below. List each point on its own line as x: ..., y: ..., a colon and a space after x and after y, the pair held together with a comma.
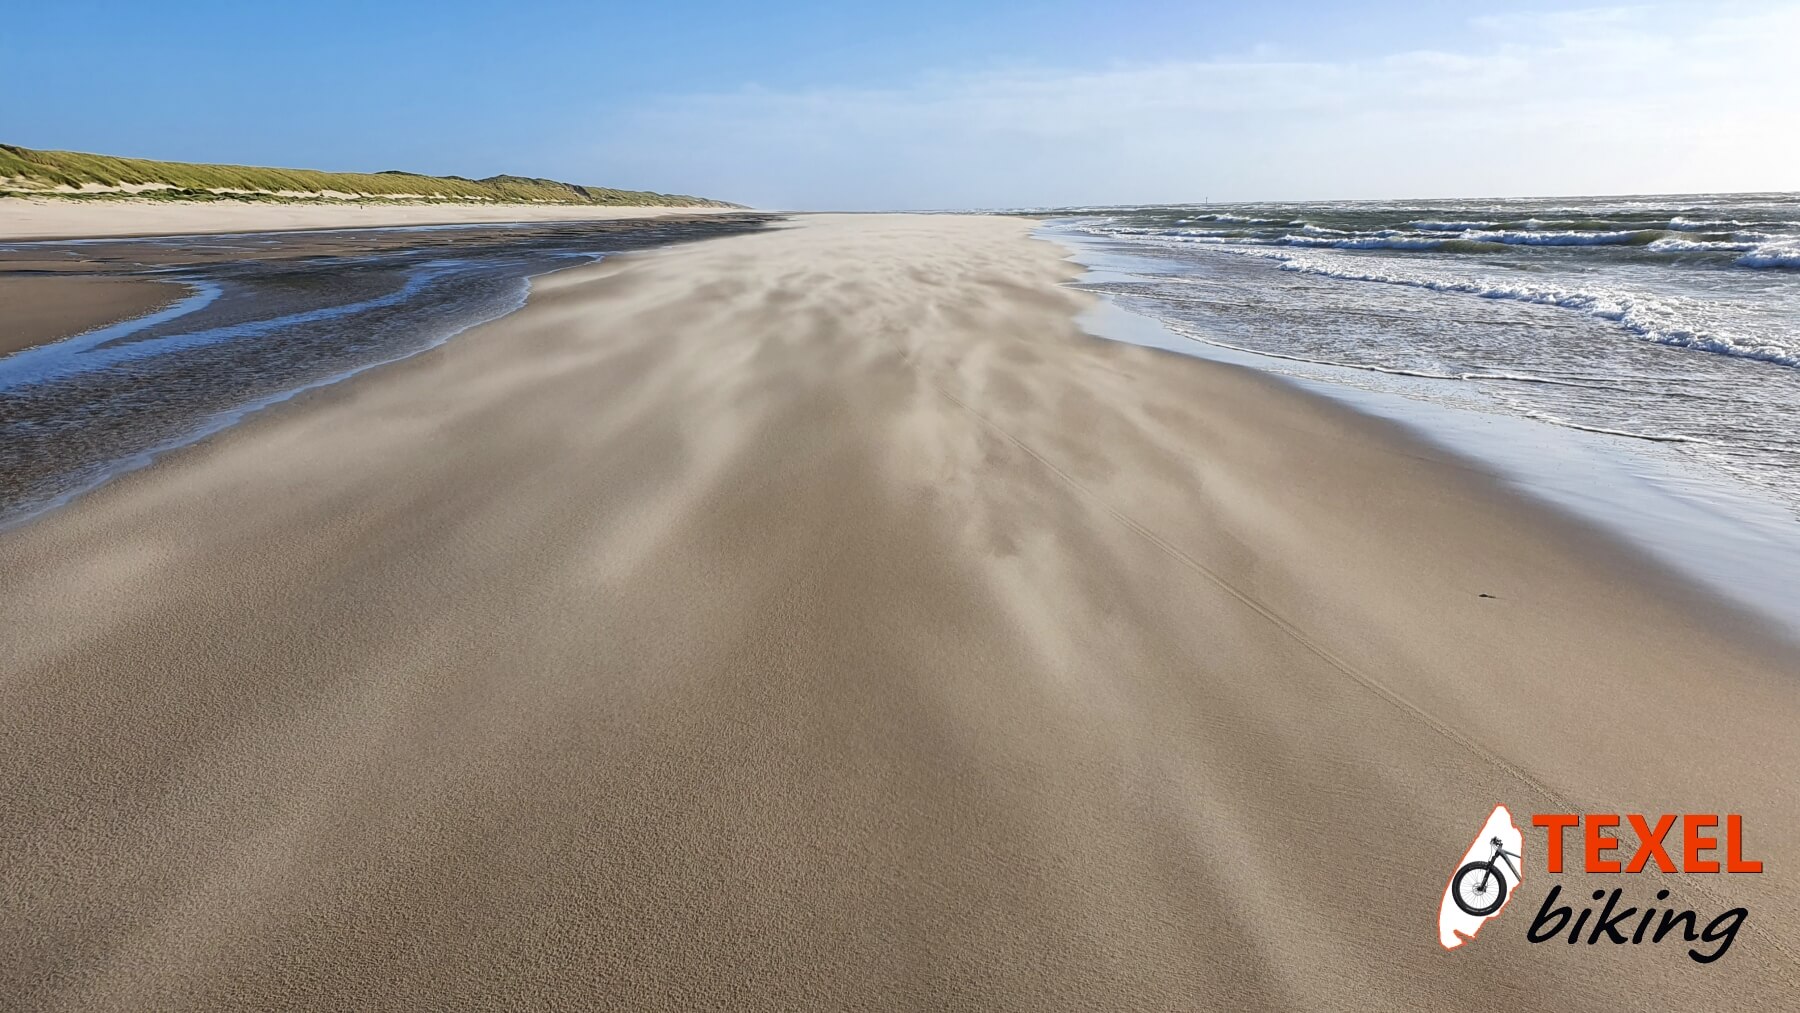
x: 1656, y: 99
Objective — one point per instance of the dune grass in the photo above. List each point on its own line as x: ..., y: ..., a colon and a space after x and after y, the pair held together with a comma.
x: 29, y: 172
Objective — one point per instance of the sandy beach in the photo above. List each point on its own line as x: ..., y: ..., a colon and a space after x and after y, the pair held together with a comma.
x: 24, y: 218
x: 48, y: 308
x: 819, y: 619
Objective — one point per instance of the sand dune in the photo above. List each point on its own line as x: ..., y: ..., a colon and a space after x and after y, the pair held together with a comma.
x: 817, y: 619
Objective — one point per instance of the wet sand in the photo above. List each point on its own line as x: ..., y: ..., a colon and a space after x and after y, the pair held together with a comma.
x: 816, y: 619
x: 269, y: 313
x: 41, y: 308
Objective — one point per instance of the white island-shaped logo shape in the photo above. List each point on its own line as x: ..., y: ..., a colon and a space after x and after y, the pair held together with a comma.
x: 1483, y: 881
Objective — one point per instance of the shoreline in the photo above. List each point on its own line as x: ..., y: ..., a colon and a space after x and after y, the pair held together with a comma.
x: 821, y: 603
x: 228, y: 421
x: 24, y: 219
x: 1737, y: 546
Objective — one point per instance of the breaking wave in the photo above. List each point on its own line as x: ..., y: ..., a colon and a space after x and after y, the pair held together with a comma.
x: 1568, y: 237
x: 1238, y: 219
x: 1675, y: 244
x: 1780, y: 255
x: 1645, y: 316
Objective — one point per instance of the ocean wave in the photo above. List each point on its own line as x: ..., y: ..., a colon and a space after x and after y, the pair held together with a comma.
x: 1776, y: 255
x: 1386, y: 239
x: 1166, y: 233
x: 1567, y: 237
x: 1580, y: 225
x: 1680, y: 224
x: 1236, y: 219
x: 1649, y: 318
x: 1753, y: 249
x: 1375, y: 242
x: 1675, y: 244
x: 1533, y: 378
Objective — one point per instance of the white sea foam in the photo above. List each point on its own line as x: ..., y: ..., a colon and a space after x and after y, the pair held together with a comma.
x: 1758, y: 249
x: 1658, y: 320
x: 1681, y: 224
x: 1780, y: 254
x: 1377, y: 241
x: 1675, y: 244
x: 1560, y: 238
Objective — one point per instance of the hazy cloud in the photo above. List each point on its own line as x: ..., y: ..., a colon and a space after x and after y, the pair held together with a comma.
x: 1617, y: 100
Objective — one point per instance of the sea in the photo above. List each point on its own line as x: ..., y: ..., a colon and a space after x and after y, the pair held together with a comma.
x: 1634, y: 359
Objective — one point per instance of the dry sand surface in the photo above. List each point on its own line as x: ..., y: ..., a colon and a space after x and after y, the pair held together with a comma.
x: 26, y: 218
x: 40, y: 308
x: 817, y: 619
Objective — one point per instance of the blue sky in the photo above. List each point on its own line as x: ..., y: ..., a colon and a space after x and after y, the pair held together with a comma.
x: 928, y: 104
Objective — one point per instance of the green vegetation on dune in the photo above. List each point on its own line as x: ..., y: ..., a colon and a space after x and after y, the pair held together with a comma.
x: 28, y: 172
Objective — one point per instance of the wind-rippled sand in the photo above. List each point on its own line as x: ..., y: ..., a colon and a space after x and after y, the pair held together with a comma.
x: 816, y: 619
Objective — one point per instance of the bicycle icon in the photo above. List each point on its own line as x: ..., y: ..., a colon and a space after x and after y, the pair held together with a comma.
x: 1479, y: 887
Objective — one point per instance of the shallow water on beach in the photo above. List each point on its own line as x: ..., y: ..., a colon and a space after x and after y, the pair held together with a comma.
x: 266, y: 316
